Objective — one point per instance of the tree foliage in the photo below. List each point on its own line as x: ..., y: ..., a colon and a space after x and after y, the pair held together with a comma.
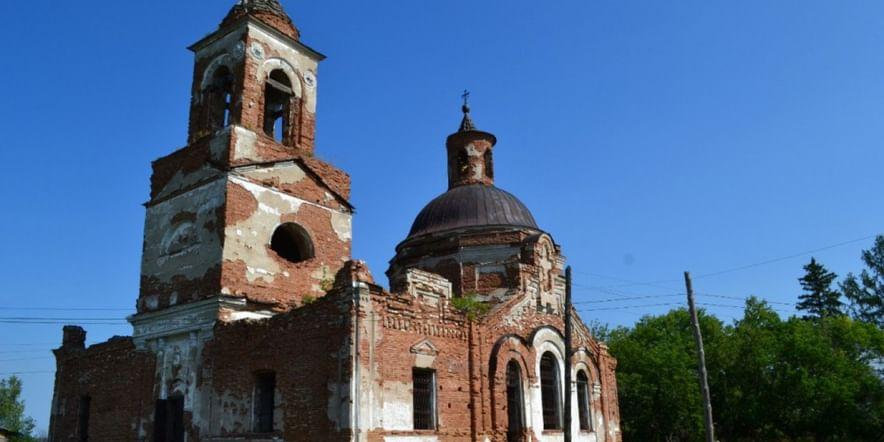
x: 12, y: 409
x: 770, y: 379
x: 819, y: 300
x: 866, y: 291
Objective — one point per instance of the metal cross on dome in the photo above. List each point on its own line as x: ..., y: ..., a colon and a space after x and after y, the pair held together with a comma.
x: 466, y: 97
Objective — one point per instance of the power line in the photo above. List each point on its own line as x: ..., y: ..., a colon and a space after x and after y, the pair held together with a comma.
x: 624, y: 307
x: 65, y: 309
x: 25, y: 359
x: 629, y: 283
x: 17, y: 373
x: 783, y: 258
x: 632, y: 298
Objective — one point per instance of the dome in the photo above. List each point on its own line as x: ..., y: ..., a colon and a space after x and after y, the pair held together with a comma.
x: 474, y: 205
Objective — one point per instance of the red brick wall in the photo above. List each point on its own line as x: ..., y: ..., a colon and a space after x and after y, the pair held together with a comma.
x: 302, y: 347
x: 120, y: 382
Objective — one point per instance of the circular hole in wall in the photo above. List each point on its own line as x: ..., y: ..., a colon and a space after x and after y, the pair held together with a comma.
x: 292, y: 243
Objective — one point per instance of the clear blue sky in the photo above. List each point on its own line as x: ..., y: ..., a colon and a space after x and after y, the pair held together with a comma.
x: 648, y: 137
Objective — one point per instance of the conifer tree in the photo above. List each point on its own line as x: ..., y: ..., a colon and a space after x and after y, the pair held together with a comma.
x: 866, y: 291
x: 819, y: 300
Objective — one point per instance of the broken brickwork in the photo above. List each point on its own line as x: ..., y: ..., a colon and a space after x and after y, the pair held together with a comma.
x: 254, y: 323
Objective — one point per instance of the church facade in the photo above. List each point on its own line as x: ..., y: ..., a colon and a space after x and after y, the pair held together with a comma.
x: 254, y: 323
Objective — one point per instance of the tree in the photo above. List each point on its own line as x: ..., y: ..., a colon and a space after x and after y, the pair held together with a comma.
x: 818, y: 299
x: 770, y: 378
x: 657, y: 376
x: 866, y: 291
x: 12, y: 409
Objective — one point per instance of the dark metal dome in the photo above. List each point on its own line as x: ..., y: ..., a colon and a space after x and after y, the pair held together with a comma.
x: 475, y: 205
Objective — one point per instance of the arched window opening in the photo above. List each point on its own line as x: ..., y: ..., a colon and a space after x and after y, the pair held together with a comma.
x: 583, y: 401
x: 463, y: 161
x: 219, y: 98
x: 514, y: 401
x: 489, y: 164
x: 550, y: 391
x: 278, y: 98
x: 292, y: 243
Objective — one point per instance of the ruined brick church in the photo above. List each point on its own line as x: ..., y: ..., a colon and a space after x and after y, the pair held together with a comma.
x: 254, y: 323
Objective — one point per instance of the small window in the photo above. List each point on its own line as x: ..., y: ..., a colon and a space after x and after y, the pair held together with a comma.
x: 278, y: 98
x: 489, y: 164
x: 424, y: 390
x: 265, y: 401
x: 83, y: 418
x: 550, y: 391
x: 219, y: 98
x: 583, y: 401
x: 292, y: 243
x: 463, y: 161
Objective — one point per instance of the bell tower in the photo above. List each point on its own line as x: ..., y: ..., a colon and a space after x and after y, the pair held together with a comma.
x: 244, y: 221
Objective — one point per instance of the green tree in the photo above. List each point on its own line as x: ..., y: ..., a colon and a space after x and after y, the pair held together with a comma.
x: 866, y: 291
x: 770, y: 378
x: 819, y: 300
x: 657, y: 376
x: 12, y: 409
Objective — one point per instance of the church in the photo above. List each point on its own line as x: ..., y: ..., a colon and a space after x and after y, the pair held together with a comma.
x: 255, y: 323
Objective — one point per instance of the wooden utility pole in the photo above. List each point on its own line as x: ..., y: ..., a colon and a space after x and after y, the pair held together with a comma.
x: 567, y: 354
x: 701, y: 355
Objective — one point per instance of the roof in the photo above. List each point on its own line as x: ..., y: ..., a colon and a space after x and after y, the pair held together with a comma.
x: 475, y: 205
x: 269, y: 11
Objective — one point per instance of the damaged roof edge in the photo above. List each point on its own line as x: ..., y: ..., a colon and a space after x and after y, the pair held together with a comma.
x: 220, y: 33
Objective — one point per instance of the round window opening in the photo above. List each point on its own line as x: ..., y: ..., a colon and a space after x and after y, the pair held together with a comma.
x: 292, y: 243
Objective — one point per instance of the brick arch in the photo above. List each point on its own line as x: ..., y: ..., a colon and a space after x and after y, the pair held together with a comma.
x: 582, y: 360
x: 272, y: 64
x: 225, y: 60
x: 508, y: 348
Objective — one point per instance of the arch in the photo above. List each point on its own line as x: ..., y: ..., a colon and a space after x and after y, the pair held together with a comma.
x: 218, y: 98
x: 509, y: 349
x: 279, y: 64
x: 584, y: 362
x: 550, y: 375
x: 223, y: 60
x: 584, y: 410
x: 292, y: 242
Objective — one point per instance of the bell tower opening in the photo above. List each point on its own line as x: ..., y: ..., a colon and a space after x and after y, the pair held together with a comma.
x: 219, y: 98
x: 278, y: 104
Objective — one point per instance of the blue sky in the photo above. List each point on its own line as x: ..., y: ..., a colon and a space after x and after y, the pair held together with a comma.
x: 648, y: 137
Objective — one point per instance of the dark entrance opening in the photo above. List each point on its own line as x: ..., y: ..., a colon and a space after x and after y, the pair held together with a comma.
x: 169, y: 420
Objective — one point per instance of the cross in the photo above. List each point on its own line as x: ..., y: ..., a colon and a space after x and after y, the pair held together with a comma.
x: 466, y: 97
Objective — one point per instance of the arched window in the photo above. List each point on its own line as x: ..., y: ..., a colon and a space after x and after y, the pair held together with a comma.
x: 489, y: 164
x: 219, y: 98
x: 583, y: 401
x: 463, y: 161
x: 278, y: 99
x: 292, y: 243
x: 514, y: 401
x: 550, y: 391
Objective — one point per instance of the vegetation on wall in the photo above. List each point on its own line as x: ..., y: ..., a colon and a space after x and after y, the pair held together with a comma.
x: 470, y: 305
